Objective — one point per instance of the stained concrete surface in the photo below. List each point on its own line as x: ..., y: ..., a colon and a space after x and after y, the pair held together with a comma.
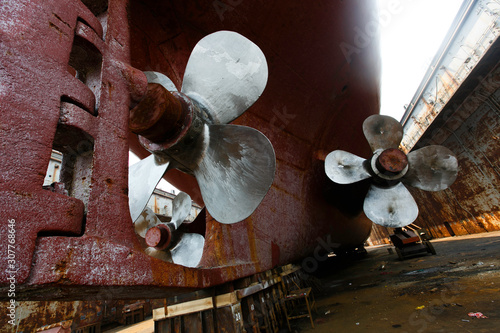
x: 426, y: 293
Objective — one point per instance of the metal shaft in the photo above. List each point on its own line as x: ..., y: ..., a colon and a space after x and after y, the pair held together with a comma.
x: 159, y: 237
x: 391, y: 161
x: 159, y: 116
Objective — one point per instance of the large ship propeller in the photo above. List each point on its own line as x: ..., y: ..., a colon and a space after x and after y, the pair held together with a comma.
x: 164, y: 241
x: 234, y: 165
x: 388, y: 202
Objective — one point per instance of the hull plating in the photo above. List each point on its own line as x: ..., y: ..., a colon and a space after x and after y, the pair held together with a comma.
x: 79, y: 237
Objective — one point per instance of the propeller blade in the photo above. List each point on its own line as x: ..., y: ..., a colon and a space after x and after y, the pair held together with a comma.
x: 432, y: 168
x: 345, y: 168
x: 382, y: 132
x: 236, y: 171
x: 143, y: 177
x: 146, y: 220
x: 158, y: 254
x: 189, y: 250
x: 181, y: 207
x: 392, y: 207
x: 156, y: 77
x: 226, y: 73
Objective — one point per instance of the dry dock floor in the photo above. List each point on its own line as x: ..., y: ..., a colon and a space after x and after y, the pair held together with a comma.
x: 427, y: 293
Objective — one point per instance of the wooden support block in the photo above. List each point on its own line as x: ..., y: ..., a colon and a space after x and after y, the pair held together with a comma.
x: 251, y: 322
x: 230, y: 319
x: 163, y: 326
x: 193, y: 323
x: 269, y: 300
x: 208, y: 321
x: 177, y: 323
x: 264, y: 313
x: 257, y: 305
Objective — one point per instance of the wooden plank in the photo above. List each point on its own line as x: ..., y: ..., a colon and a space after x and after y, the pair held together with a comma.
x: 226, y: 299
x: 253, y: 289
x: 147, y: 326
x: 158, y: 314
x: 190, y: 307
x: 256, y: 287
x: 183, y: 308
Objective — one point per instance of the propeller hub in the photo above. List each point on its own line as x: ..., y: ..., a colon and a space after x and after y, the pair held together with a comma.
x: 159, y: 237
x: 184, y: 141
x: 391, y: 161
x: 159, y: 116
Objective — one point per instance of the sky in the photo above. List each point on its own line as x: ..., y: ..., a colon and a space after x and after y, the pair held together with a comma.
x: 411, y: 32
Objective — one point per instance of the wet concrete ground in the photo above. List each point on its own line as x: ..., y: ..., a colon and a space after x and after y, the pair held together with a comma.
x: 427, y: 293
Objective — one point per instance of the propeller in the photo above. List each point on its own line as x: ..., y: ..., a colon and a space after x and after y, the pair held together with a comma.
x: 388, y: 202
x: 164, y: 241
x: 142, y: 181
x: 234, y: 165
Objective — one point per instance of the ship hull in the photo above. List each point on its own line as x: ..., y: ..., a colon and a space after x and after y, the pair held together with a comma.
x: 321, y: 87
x: 323, y: 82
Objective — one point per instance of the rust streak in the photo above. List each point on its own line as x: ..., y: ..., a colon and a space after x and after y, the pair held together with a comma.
x: 253, y: 245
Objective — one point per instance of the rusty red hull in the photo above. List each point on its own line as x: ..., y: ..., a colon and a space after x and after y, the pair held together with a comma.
x: 322, y: 85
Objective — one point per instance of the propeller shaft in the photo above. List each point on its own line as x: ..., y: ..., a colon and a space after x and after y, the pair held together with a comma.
x: 159, y: 237
x: 391, y: 161
x: 159, y: 116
